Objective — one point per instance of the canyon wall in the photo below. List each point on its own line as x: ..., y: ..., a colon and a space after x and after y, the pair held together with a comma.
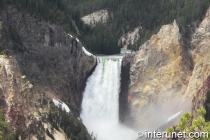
x: 199, y: 84
x: 21, y: 102
x: 159, y: 76
x: 168, y: 76
x: 52, y: 60
x: 30, y: 112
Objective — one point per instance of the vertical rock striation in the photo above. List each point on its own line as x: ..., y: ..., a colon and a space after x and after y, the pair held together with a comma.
x: 165, y: 76
x: 200, y: 79
x: 51, y: 59
x: 20, y: 100
x: 124, y: 87
x: 159, y: 76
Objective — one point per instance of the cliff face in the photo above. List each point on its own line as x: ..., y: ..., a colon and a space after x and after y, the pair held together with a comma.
x: 165, y: 76
x: 159, y: 76
x: 96, y: 17
x: 129, y: 38
x: 199, y: 83
x: 30, y: 111
x: 124, y: 86
x: 52, y: 60
x: 20, y: 100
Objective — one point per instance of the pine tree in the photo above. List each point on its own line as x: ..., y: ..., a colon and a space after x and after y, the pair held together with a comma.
x: 0, y: 29
x: 189, y: 124
x: 6, y: 132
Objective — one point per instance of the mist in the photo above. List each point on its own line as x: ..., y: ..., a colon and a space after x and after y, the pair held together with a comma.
x: 100, y: 105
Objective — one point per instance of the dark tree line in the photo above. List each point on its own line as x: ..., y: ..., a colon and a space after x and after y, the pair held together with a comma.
x: 126, y: 15
x: 149, y: 14
x: 70, y: 124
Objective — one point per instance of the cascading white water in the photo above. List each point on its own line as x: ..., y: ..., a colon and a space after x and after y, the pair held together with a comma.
x: 100, y: 105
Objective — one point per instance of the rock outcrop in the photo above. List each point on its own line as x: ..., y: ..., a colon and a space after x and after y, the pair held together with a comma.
x: 159, y: 76
x: 52, y: 60
x: 129, y: 38
x: 96, y: 17
x: 200, y: 79
x: 124, y: 87
x: 20, y: 100
x: 166, y: 76
x: 30, y: 111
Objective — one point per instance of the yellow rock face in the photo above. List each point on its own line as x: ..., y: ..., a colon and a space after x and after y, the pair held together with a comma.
x: 12, y: 84
x: 165, y: 76
x: 17, y: 94
x: 200, y: 45
x: 20, y: 100
x: 159, y: 77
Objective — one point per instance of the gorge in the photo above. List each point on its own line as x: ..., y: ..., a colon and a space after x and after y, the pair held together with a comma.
x: 163, y: 76
x: 100, y: 105
x: 115, y: 96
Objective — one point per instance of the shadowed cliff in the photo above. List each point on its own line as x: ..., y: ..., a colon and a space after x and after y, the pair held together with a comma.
x: 52, y: 60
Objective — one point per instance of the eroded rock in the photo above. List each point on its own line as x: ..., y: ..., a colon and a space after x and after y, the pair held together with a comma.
x: 159, y: 76
x: 52, y: 60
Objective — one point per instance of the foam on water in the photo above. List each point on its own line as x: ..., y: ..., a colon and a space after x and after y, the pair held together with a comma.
x: 100, y: 105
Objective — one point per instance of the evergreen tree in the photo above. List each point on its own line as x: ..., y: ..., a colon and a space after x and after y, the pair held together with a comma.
x: 0, y: 29
x: 124, y: 16
x: 6, y: 132
x: 188, y: 124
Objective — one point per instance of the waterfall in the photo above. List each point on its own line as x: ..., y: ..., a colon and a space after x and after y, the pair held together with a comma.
x: 100, y: 105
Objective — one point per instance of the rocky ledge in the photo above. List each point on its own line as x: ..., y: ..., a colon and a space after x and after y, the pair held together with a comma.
x: 53, y: 61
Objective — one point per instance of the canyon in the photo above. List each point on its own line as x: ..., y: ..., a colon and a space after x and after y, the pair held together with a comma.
x: 42, y: 62
x: 166, y: 74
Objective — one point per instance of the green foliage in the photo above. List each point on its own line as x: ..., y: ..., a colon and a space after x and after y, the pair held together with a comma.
x: 187, y: 115
x: 184, y: 121
x: 200, y: 122
x: 0, y: 29
x: 129, y: 14
x: 187, y: 124
x: 6, y: 132
x: 69, y: 123
x: 191, y: 129
x: 170, y: 130
x: 0, y: 32
x: 126, y: 15
x: 201, y: 112
x: 182, y: 124
x: 4, y: 52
